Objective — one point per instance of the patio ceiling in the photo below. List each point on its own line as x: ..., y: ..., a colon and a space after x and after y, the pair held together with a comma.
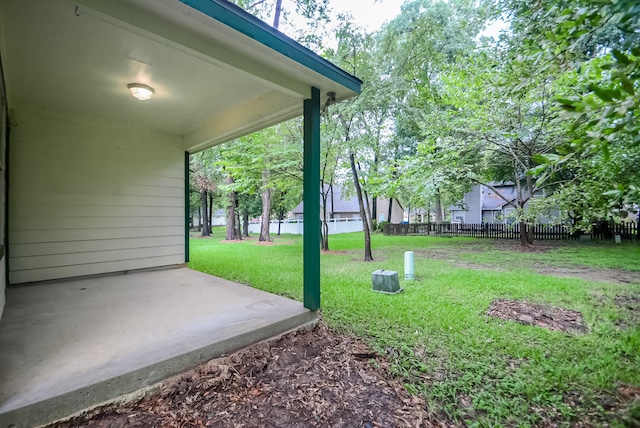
x: 214, y: 79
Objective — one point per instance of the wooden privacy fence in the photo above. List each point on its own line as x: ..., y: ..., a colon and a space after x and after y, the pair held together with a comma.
x: 541, y: 232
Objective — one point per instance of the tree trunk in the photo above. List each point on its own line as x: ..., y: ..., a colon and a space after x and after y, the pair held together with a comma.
x: 367, y: 210
x: 266, y: 208
x: 368, y: 257
x: 390, y: 211
x: 210, y: 212
x: 281, y: 214
x: 526, y: 231
x: 374, y: 209
x: 439, y: 216
x: 367, y: 207
x: 245, y: 223
x: 231, y: 213
x: 276, y: 17
x: 205, y: 225
x: 524, y: 239
x: 238, y: 225
x: 324, y: 229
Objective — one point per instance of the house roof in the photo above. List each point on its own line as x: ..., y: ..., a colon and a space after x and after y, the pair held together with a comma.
x: 218, y: 72
x: 492, y: 201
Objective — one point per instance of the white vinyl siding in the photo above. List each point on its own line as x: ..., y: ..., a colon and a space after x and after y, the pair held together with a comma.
x: 3, y: 280
x: 3, y: 196
x: 89, y: 197
x: 473, y: 199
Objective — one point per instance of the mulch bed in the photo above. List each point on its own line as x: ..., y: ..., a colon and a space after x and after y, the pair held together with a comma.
x: 630, y: 305
x: 316, y: 378
x: 549, y: 317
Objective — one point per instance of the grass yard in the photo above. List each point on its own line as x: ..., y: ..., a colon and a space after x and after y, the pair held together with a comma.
x: 473, y: 369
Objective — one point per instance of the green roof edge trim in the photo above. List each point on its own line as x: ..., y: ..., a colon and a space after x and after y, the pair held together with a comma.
x: 247, y: 24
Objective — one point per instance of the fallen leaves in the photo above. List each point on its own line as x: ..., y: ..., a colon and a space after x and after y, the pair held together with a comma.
x: 313, y: 378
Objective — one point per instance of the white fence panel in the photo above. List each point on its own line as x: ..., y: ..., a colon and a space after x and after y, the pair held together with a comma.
x: 295, y: 227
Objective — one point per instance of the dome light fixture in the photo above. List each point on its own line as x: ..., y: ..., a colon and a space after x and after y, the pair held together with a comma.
x: 140, y: 91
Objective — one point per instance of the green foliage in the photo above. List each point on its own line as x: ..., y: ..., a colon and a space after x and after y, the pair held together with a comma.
x: 414, y: 49
x: 599, y: 40
x: 303, y: 20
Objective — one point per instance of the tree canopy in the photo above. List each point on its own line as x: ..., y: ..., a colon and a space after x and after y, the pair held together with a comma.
x: 549, y: 104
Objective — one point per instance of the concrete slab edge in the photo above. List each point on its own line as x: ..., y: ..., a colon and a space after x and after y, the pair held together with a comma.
x: 134, y: 384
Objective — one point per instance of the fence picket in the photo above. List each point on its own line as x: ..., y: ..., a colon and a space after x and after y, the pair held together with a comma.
x: 541, y: 232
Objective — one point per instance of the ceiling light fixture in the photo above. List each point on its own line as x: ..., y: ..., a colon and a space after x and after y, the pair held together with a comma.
x: 140, y: 91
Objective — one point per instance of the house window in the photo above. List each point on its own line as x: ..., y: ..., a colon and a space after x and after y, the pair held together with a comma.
x: 509, y: 214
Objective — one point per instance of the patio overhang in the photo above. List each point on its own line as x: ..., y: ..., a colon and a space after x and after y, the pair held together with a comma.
x: 98, y: 181
x: 218, y: 72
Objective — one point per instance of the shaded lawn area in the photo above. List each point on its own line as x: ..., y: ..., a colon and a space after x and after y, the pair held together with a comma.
x: 471, y: 368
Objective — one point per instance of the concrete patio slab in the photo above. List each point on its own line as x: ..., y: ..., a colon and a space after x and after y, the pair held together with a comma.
x: 67, y: 346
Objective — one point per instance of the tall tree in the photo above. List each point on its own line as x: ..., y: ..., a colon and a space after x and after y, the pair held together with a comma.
x: 600, y: 42
x: 205, y: 178
x: 417, y: 47
x: 353, y: 54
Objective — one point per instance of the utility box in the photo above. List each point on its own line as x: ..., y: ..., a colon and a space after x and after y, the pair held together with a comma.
x: 385, y: 281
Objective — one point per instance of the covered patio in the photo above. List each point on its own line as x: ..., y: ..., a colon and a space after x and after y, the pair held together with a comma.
x: 95, y: 190
x: 69, y: 345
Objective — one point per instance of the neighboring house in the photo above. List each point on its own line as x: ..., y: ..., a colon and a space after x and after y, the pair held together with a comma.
x: 483, y: 205
x: 98, y: 180
x: 339, y: 206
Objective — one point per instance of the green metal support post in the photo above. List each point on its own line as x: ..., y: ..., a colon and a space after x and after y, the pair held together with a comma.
x: 186, y: 207
x: 311, y: 214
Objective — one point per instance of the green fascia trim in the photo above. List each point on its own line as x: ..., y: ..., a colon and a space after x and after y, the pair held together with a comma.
x: 247, y: 24
x: 187, y: 210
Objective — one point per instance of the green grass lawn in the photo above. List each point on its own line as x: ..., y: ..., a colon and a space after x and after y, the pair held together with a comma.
x: 474, y: 369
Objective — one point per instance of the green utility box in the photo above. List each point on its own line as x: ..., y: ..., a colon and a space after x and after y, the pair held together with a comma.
x: 385, y: 281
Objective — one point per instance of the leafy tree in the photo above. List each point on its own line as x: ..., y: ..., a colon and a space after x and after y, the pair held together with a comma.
x: 353, y: 54
x: 205, y: 177
x: 423, y: 42
x: 283, y: 201
x: 310, y: 25
x: 600, y: 41
x: 331, y: 152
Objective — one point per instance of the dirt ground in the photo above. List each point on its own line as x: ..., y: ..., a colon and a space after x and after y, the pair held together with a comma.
x: 617, y: 276
x: 316, y: 378
x: 549, y: 317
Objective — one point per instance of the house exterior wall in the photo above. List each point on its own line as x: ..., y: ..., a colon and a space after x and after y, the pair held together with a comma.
x: 383, y: 211
x: 457, y: 216
x: 473, y: 199
x: 490, y: 216
x: 3, y: 197
x: 89, y: 197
